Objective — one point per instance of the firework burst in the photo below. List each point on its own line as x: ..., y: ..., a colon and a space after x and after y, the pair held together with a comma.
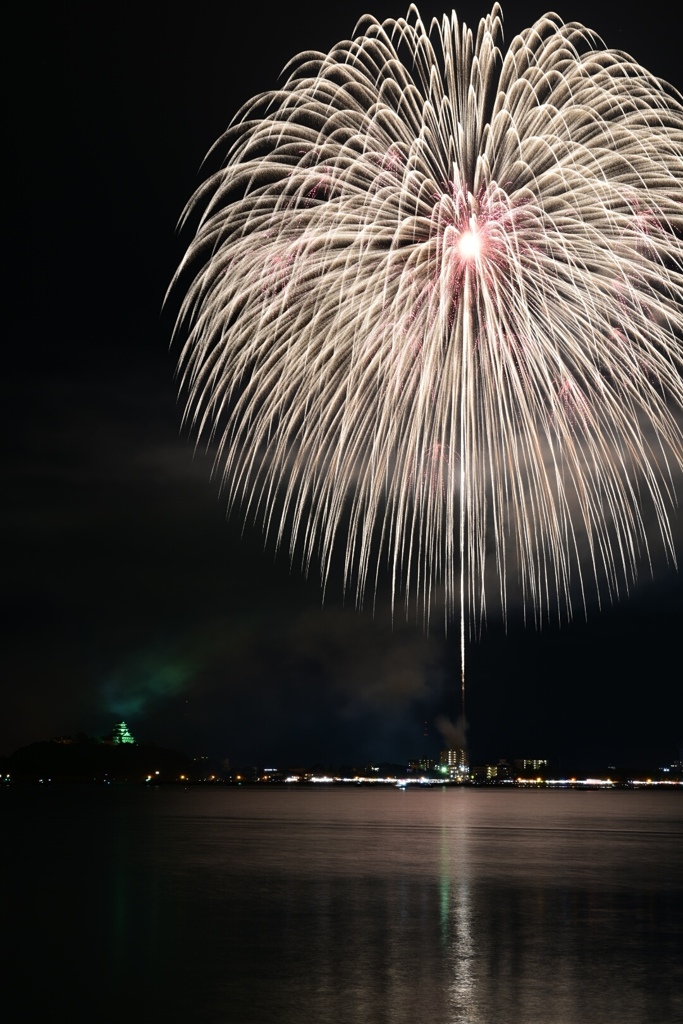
x: 436, y: 307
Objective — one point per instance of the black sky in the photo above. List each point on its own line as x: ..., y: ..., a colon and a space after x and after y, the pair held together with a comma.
x: 126, y: 591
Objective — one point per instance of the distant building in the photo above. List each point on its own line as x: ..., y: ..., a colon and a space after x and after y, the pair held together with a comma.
x: 121, y: 734
x: 505, y: 772
x: 525, y: 765
x: 484, y: 773
x: 456, y: 763
x: 423, y: 764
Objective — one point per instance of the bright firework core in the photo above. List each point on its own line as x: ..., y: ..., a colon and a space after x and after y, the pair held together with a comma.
x: 469, y: 245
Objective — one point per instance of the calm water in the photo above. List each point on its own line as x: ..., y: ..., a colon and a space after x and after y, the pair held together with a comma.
x: 347, y: 906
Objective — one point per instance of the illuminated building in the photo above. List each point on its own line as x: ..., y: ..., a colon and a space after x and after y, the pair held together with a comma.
x: 484, y: 773
x: 530, y: 764
x: 121, y: 734
x: 456, y: 762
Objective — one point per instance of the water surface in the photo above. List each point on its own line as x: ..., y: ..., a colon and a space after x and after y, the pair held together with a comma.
x: 344, y: 905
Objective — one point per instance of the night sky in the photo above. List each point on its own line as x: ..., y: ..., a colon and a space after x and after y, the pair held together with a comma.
x: 127, y: 592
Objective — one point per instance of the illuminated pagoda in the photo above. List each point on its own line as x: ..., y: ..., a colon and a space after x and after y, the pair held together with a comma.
x: 122, y: 734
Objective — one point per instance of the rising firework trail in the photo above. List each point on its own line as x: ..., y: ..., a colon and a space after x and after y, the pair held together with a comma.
x: 434, y: 311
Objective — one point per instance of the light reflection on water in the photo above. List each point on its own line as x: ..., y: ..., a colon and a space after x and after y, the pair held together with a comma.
x: 351, y: 906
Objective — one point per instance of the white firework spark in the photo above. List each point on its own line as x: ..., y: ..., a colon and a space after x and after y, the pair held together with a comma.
x: 437, y: 306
